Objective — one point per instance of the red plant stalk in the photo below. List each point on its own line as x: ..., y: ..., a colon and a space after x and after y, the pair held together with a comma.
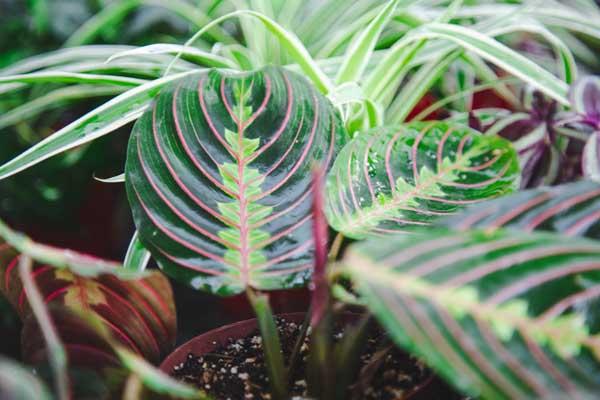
x: 319, y: 285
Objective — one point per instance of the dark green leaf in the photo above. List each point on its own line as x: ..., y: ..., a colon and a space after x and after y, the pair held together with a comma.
x: 218, y: 177
x: 572, y: 209
x: 500, y: 314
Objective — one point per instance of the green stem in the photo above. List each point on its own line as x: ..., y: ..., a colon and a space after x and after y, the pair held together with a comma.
x: 54, y: 348
x: 271, y: 344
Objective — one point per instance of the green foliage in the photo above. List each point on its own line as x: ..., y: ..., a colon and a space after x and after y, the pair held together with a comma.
x: 500, y: 314
x: 387, y: 180
x: 218, y: 167
x: 218, y: 177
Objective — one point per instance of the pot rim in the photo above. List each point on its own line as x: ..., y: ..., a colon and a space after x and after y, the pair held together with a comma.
x: 209, y: 340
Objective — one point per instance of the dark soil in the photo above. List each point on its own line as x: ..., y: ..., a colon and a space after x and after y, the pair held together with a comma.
x: 237, y: 370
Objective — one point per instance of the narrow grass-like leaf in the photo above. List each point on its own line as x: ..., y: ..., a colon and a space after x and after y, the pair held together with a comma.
x: 113, y: 179
x: 55, y: 99
x: 390, y: 179
x: 113, y: 14
x: 188, y: 53
x: 194, y: 14
x: 499, y: 314
x: 61, y: 57
x: 55, y: 348
x: 218, y: 177
x: 271, y: 345
x: 71, y: 77
x: 419, y: 84
x: 358, y: 54
x: 500, y: 55
x: 288, y: 40
x: 103, y: 120
x: 571, y: 209
x: 156, y: 380
x: 137, y: 256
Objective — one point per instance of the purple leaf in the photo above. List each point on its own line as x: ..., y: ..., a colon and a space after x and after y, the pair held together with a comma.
x: 585, y: 99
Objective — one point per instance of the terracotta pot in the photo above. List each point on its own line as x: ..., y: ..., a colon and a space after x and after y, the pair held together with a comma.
x: 210, y: 340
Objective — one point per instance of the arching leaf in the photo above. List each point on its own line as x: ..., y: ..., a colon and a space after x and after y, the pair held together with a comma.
x: 572, y: 209
x: 388, y: 179
x: 218, y: 177
x: 500, y: 314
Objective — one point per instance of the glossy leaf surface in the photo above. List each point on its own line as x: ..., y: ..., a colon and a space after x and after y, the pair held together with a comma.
x: 218, y: 177
x: 386, y: 179
x: 500, y: 314
x: 572, y: 209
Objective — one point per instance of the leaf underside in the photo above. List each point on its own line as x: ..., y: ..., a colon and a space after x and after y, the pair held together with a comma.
x: 390, y: 179
x: 499, y: 314
x: 218, y: 177
x: 572, y: 209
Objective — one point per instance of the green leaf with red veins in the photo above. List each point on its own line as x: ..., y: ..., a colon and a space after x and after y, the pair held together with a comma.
x: 218, y: 177
x: 572, y: 209
x: 389, y: 179
x: 500, y: 314
x: 139, y: 313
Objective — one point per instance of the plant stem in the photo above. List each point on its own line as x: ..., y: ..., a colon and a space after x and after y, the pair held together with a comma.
x: 55, y: 350
x: 133, y: 388
x: 336, y: 247
x: 271, y: 344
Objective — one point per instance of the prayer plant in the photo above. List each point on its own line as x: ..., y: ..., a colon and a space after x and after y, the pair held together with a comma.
x: 282, y: 123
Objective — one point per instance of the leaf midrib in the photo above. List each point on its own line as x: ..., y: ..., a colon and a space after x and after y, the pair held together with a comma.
x: 446, y: 298
x: 356, y: 225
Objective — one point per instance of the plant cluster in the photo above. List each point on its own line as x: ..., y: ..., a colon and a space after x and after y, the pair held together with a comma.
x: 282, y: 124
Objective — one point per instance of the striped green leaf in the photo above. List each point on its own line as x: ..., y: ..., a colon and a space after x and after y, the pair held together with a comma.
x: 191, y: 54
x: 572, y: 209
x: 218, y: 177
x: 388, y: 179
x: 103, y: 120
x: 500, y: 314
x: 357, y: 56
x: 501, y: 55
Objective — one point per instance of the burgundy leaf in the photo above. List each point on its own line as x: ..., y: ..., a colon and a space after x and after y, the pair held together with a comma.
x: 140, y: 314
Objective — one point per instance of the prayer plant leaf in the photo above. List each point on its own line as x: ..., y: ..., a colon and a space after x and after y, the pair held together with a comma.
x: 500, y: 314
x: 140, y: 313
x: 218, y: 177
x: 388, y: 179
x: 572, y: 209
